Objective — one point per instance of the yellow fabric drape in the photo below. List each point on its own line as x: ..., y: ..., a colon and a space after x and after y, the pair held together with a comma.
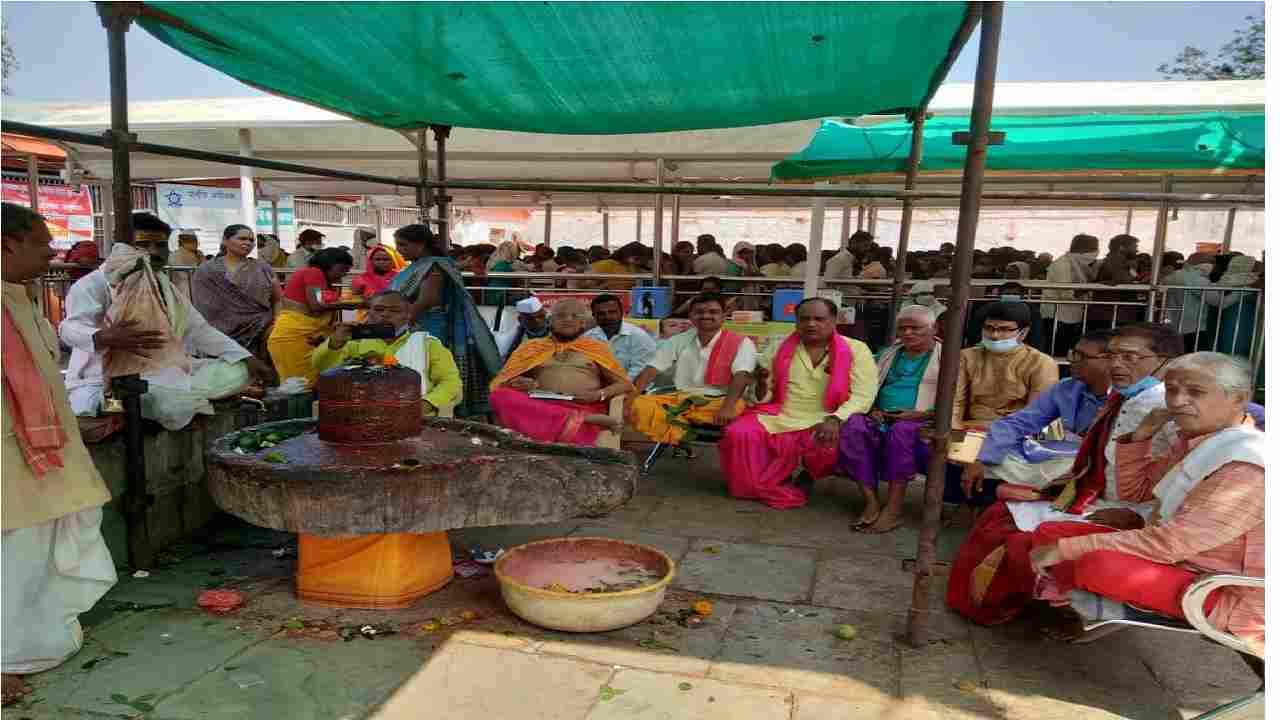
x: 289, y: 346
x: 535, y: 352
x: 648, y: 415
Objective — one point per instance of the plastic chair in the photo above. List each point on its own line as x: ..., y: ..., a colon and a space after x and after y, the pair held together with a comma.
x: 1197, y: 622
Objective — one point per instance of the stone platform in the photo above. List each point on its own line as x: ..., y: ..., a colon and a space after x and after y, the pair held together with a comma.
x: 778, y: 580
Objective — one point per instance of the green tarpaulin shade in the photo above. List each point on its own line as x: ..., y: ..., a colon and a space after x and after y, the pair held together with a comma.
x: 575, y: 67
x: 1203, y: 141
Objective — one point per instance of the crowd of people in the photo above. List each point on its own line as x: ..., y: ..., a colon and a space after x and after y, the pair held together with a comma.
x: 1118, y: 484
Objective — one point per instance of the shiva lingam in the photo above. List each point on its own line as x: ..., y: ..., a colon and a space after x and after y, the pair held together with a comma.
x: 371, y: 486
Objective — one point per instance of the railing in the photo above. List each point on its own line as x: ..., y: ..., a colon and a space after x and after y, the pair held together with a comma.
x: 1223, y: 320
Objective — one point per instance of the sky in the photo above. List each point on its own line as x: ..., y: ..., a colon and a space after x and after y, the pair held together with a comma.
x: 62, y: 48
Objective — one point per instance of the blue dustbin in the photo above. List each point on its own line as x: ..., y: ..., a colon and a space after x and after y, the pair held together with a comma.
x: 650, y: 302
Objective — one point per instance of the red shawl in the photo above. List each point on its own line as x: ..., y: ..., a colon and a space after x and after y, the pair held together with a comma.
x: 720, y: 365
x: 1088, y: 472
x: 35, y: 419
x: 839, y: 363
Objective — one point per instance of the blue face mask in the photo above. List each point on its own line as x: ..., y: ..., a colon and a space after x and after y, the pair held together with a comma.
x: 1145, y: 383
x: 1010, y: 298
x: 1001, y: 346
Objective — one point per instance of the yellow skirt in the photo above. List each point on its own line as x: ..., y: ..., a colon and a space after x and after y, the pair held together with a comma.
x: 648, y: 415
x: 290, y: 347
x: 372, y: 571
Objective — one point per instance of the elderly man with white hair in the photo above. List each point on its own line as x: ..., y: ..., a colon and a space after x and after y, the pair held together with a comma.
x: 531, y: 322
x: 1209, y: 495
x: 885, y: 444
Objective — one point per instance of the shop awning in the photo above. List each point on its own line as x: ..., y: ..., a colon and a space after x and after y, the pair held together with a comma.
x: 1208, y: 142
x: 576, y: 67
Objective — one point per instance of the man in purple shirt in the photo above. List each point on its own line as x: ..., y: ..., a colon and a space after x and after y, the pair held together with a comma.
x: 1010, y: 453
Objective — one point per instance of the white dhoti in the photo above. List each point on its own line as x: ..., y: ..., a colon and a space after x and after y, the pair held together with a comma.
x: 52, y: 572
x: 173, y: 397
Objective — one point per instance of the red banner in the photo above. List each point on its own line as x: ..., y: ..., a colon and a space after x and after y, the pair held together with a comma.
x: 68, y: 210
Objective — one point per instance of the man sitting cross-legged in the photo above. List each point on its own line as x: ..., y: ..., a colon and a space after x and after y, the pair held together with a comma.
x: 414, y: 349
x: 812, y: 382
x: 576, y: 376
x: 885, y: 444
x: 713, y: 367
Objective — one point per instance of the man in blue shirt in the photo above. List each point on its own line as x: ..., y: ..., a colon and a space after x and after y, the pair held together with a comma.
x: 632, y: 345
x: 1010, y: 453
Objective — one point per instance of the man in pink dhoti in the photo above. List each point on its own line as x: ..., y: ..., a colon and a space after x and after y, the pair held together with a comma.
x: 808, y: 385
x: 557, y: 388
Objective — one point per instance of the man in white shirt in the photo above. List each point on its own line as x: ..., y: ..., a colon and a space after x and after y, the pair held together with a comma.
x: 713, y: 368
x: 1077, y: 266
x: 845, y: 264
x: 632, y: 345
x: 530, y: 323
x: 128, y: 310
x: 711, y: 259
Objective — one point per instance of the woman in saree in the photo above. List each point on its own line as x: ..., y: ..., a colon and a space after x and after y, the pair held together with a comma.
x: 237, y: 294
x: 442, y: 306
x: 309, y: 312
x: 380, y: 268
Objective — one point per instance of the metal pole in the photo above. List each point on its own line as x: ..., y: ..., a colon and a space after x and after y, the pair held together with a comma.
x: 108, y: 219
x: 275, y: 217
x: 424, y: 170
x: 908, y: 208
x: 816, y: 217
x: 862, y: 217
x: 675, y: 222
x: 116, y: 18
x: 248, y: 202
x: 33, y: 181
x: 1128, y: 221
x: 605, y: 228
x: 966, y: 230
x: 639, y: 222
x: 872, y: 216
x: 1162, y: 231
x: 441, y: 133
x: 546, y: 225
x: 1231, y: 226
x: 657, y: 224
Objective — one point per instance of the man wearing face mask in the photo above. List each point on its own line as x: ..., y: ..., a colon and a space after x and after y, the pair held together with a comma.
x: 1064, y: 323
x: 997, y: 378
x: 416, y: 350
x: 125, y: 318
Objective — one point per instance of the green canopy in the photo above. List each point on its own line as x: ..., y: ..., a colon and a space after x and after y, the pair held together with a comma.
x: 1065, y: 143
x: 576, y: 67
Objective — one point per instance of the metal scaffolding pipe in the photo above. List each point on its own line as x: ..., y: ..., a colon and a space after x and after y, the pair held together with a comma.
x: 441, y: 133
x: 605, y: 228
x: 675, y: 222
x: 862, y: 216
x: 248, y: 202
x: 908, y: 208
x: 817, y: 215
x: 1231, y: 226
x: 33, y: 181
x: 966, y: 230
x: 1162, y: 232
x: 657, y: 223
x: 424, y: 174
x: 546, y: 224
x: 639, y: 222
x: 844, y: 225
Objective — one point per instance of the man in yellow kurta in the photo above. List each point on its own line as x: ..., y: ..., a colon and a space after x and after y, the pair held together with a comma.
x: 417, y: 350
x: 713, y: 368
x: 56, y: 563
x: 819, y: 378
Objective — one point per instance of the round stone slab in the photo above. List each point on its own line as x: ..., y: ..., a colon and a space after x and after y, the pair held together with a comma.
x: 455, y: 474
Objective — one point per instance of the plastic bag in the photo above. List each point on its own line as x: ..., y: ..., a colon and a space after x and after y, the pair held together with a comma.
x: 217, y: 379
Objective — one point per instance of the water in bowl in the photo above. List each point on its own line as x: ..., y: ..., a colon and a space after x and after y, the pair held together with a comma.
x: 594, y: 575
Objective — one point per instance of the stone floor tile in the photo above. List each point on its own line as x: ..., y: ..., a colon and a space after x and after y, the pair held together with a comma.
x: 300, y: 680
x: 167, y: 650
x: 507, y: 536
x: 794, y: 646
x: 710, y: 517
x: 470, y: 682
x: 948, y: 678
x: 644, y: 695
x: 673, y: 545
x: 862, y: 582
x: 633, y: 514
x: 1216, y: 677
x: 766, y: 572
x: 821, y: 707
x: 658, y: 643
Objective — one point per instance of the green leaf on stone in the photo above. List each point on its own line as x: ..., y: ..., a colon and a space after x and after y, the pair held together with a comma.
x: 608, y: 693
x: 142, y: 707
x: 118, y: 698
x: 685, y: 686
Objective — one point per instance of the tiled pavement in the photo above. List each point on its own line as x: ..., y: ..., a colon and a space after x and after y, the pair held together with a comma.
x: 779, y: 580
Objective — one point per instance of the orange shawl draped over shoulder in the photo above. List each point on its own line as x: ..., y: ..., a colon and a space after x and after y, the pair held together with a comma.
x: 533, y: 353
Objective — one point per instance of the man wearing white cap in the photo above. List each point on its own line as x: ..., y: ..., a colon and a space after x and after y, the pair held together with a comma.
x: 530, y: 323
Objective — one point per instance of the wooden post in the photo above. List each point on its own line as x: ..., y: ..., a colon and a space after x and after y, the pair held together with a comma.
x: 966, y: 230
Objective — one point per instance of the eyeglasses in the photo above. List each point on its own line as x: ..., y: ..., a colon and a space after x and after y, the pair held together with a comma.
x: 1128, y: 358
x: 1077, y: 356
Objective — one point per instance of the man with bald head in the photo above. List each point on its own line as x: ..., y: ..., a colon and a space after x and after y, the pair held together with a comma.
x: 557, y: 388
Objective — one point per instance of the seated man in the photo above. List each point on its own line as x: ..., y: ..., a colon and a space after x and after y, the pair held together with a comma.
x: 713, y: 367
x: 126, y: 318
x: 885, y: 444
x: 414, y: 349
x: 1208, y: 491
x: 991, y: 579
x: 575, y: 376
x: 531, y: 322
x: 996, y: 379
x: 819, y: 379
x: 1011, y: 454
x: 631, y: 345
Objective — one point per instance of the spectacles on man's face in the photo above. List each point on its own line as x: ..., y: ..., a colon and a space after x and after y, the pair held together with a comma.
x: 1078, y: 356
x: 1128, y: 358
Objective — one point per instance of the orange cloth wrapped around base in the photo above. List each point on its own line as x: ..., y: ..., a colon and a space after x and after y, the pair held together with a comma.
x: 393, y: 570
